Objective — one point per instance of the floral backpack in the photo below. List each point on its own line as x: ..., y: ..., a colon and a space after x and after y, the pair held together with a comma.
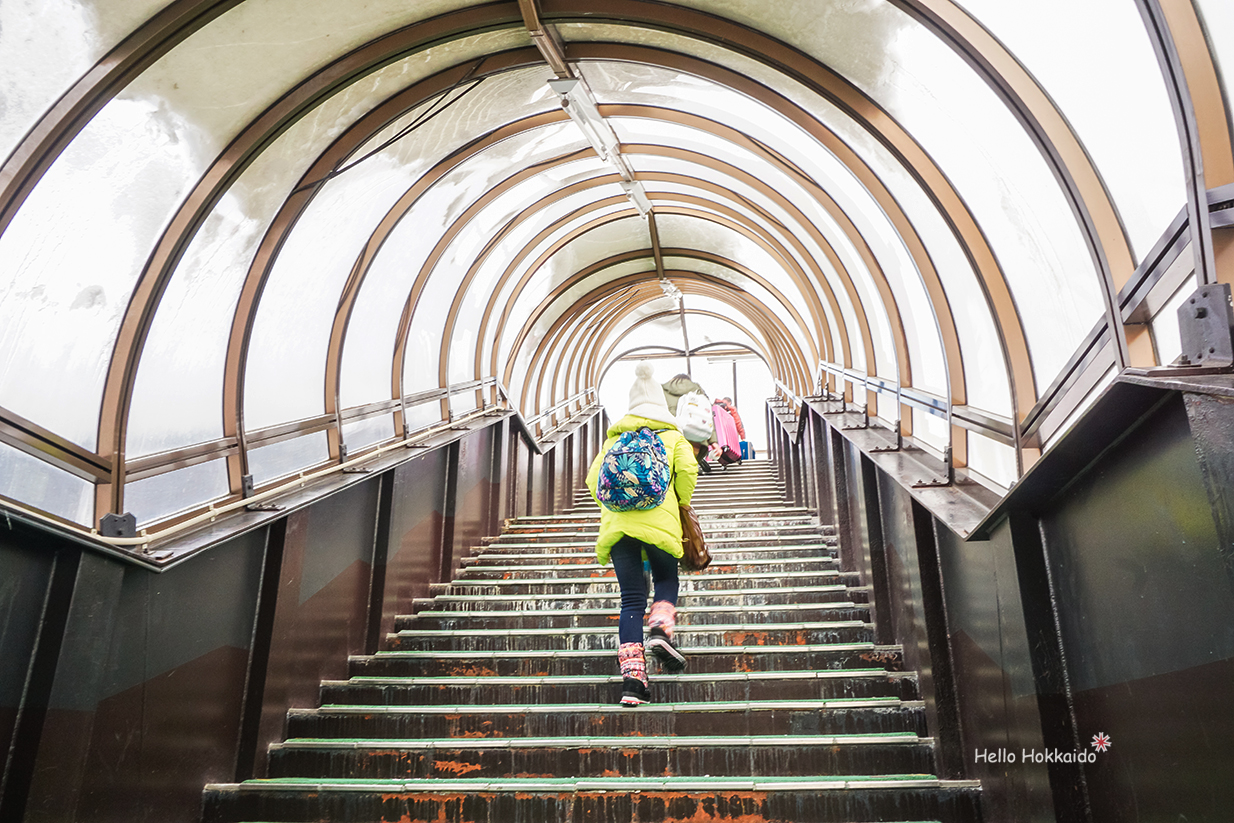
x: 635, y: 473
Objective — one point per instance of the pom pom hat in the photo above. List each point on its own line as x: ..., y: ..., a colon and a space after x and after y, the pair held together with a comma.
x: 647, y: 396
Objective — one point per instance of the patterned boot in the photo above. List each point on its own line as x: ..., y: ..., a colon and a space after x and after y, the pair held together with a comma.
x: 634, y: 690
x: 660, y: 635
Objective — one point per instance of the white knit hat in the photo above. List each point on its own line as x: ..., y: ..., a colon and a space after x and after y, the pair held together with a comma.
x: 647, y: 396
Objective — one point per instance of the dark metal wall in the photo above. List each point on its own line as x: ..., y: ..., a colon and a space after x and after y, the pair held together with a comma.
x: 994, y: 683
x: 124, y: 691
x: 1106, y: 606
x: 316, y: 607
x: 1147, y: 621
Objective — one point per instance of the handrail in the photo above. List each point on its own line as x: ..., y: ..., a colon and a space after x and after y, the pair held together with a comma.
x: 212, y: 512
x: 551, y: 410
x: 566, y: 421
x: 796, y: 401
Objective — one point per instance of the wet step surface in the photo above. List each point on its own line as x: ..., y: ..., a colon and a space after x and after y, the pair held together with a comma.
x: 753, y: 755
x: 702, y: 659
x: 874, y: 715
x: 495, y: 699
x: 676, y: 688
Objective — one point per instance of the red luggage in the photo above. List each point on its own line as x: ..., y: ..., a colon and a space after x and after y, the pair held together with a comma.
x: 726, y: 435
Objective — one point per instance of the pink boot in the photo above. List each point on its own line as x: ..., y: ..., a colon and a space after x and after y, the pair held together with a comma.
x: 633, y: 664
x: 660, y: 635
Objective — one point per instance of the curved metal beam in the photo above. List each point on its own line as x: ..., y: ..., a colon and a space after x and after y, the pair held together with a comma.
x: 775, y: 334
x: 781, y: 345
x: 643, y: 281
x: 583, y: 274
x: 625, y: 354
x: 752, y: 233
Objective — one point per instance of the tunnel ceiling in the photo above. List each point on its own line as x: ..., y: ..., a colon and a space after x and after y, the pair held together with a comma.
x: 246, y: 239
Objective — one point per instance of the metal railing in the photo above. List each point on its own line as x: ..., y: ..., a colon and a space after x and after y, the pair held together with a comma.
x: 212, y: 511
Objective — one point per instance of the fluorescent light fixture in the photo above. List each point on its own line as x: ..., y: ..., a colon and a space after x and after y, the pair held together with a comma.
x: 579, y: 103
x: 634, y: 190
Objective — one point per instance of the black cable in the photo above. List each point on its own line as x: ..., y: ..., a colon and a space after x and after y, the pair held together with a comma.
x: 423, y: 118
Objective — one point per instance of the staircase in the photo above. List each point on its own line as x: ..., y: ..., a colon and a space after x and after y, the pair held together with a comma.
x: 496, y: 700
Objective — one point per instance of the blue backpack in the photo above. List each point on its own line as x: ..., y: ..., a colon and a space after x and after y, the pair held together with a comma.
x: 635, y: 473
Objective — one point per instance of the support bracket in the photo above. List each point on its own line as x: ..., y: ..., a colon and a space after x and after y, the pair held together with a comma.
x: 1206, y: 328
x: 940, y: 482
x: 118, y: 525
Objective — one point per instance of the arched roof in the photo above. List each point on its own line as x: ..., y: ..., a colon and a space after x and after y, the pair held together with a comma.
x: 243, y: 238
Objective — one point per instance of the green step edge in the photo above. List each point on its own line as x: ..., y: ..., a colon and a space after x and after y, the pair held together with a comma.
x: 595, y: 679
x: 672, y: 741
x: 572, y: 784
x: 694, y: 650
x: 646, y: 708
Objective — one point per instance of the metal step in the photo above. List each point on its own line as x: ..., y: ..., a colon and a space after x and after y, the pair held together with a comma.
x: 658, y: 756
x: 600, y: 661
x: 799, y: 799
x: 711, y: 687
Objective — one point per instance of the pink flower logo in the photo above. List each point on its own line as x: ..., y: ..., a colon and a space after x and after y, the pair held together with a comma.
x: 1101, y: 741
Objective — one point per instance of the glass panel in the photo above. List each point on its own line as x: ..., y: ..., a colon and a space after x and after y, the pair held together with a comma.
x: 778, y: 276
x: 226, y: 74
x: 163, y: 495
x: 566, y: 345
x: 730, y: 327
x: 595, y: 245
x: 664, y: 333
x: 1166, y: 335
x: 991, y: 459
x: 288, y: 457
x: 374, y: 322
x: 702, y: 329
x: 291, y: 332
x: 691, y: 232
x: 463, y: 402
x: 423, y: 416
x: 82, y: 237
x: 178, y: 395
x: 364, y: 433
x: 563, y: 348
x: 928, y: 429
x: 623, y: 82
x: 484, y: 286
x: 1218, y: 18
x: 925, y: 347
x: 984, y: 152
x: 1107, y: 86
x: 986, y: 383
x: 47, y: 45
x: 984, y: 366
x: 462, y: 254
x: 757, y: 292
x: 72, y: 255
x: 43, y: 487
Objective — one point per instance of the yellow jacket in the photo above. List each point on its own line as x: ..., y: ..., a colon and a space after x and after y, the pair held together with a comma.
x: 661, y: 526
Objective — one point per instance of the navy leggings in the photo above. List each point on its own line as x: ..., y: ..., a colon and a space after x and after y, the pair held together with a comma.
x: 628, y: 563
